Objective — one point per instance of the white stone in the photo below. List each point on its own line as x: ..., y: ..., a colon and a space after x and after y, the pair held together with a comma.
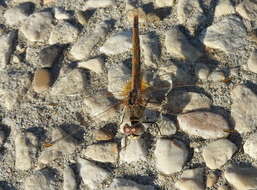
x: 63, y: 33
x: 6, y: 41
x: 47, y: 156
x: 191, y: 180
x: 96, y: 65
x: 242, y: 178
x: 202, y: 71
x: 91, y: 174
x: 125, y: 184
x: 227, y: 35
x: 164, y: 3
x: 166, y: 127
x: 216, y: 76
x: 61, y: 14
x: 133, y: 150
x: 117, y: 43
x: 252, y: 62
x: 85, y: 44
x: 94, y: 4
x: 203, y: 124
x: 247, y: 9
x: 69, y: 181
x: 224, y: 7
x: 107, y: 152
x: 250, y: 146
x: 170, y: 156
x: 37, y: 27
x: 215, y: 156
x: 177, y: 45
x: 243, y: 109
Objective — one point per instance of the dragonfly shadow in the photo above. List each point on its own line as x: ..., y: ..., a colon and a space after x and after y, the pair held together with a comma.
x: 74, y: 131
x: 6, y: 186
x: 162, y: 13
x: 39, y: 132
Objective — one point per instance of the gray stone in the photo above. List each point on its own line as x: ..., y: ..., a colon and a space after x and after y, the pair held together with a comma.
x: 215, y: 157
x: 164, y: 3
x: 191, y: 179
x: 63, y: 33
x: 177, y: 45
x: 69, y: 181
x: 248, y: 9
x: 243, y: 109
x: 61, y: 14
x: 242, y: 178
x: 107, y: 152
x: 48, y: 56
x: 117, y: 43
x: 94, y: 4
x: 224, y: 7
x: 170, y: 155
x: 91, y: 174
x: 6, y: 41
x: 203, y: 124
x: 96, y: 65
x: 250, y: 146
x: 227, y: 35
x: 252, y: 62
x: 37, y: 27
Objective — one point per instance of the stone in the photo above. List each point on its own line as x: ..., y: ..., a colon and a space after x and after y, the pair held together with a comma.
x: 130, y: 4
x: 249, y: 146
x: 170, y: 155
x: 91, y: 174
x: 6, y: 48
x: 84, y: 46
x: 247, y: 9
x: 224, y: 7
x: 190, y: 14
x: 203, y: 124
x: 243, y: 108
x: 164, y: 3
x: 103, y: 134
x: 243, y: 178
x: 202, y: 71
x: 177, y: 45
x: 216, y: 76
x: 227, y: 35
x: 125, y: 184
x: 47, y: 156
x: 133, y: 150
x: 61, y: 14
x: 211, y: 180
x: 191, y: 179
x: 223, y: 187
x: 107, y: 152
x: 37, y: 27
x: 17, y: 2
x: 48, y: 56
x: 252, y: 62
x: 82, y: 17
x: 17, y: 15
x: 41, y: 81
x: 151, y: 49
x: 69, y: 181
x: 117, y: 43
x: 63, y: 33
x: 166, y: 127
x: 70, y: 83
x: 96, y: 65
x: 95, y: 4
x: 181, y: 101
x: 215, y: 156
x: 8, y: 99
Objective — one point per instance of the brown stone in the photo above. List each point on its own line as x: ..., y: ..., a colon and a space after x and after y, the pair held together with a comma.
x: 41, y: 81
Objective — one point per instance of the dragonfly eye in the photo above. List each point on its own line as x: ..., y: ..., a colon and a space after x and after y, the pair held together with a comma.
x: 127, y: 129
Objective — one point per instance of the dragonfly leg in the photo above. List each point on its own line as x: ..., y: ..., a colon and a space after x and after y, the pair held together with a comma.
x: 122, y: 116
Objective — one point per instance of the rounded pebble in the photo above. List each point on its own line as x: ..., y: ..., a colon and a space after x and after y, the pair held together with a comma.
x: 41, y: 81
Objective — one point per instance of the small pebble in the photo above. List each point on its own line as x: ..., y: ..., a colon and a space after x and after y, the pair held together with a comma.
x: 216, y: 76
x: 82, y: 17
x: 224, y: 7
x: 96, y: 65
x: 61, y: 14
x: 69, y: 181
x: 252, y: 62
x: 95, y: 4
x: 202, y: 71
x: 250, y: 146
x: 211, y: 180
x: 41, y: 81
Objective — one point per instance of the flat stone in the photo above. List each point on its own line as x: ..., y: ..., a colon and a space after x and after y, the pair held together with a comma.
x: 61, y: 14
x: 95, y: 4
x: 91, y: 174
x: 211, y: 180
x: 70, y: 83
x: 96, y: 65
x: 191, y: 179
x: 103, y: 134
x: 122, y: 40
x: 107, y: 152
x: 181, y: 101
x: 226, y: 35
x: 252, y: 62
x: 47, y: 156
x: 37, y: 27
x: 125, y: 184
x: 6, y: 48
x: 85, y: 44
x: 243, y: 109
x: 41, y: 81
x: 170, y: 156
x: 203, y: 124
x: 48, y: 56
x: 63, y: 33
x: 224, y: 7
x: 190, y: 14
x: 164, y: 3
x: 151, y: 49
x: 216, y: 76
x: 215, y: 157
x: 247, y: 9
x: 177, y: 45
x: 249, y: 146
x: 133, y: 150
x: 242, y: 178
x: 18, y: 14
x: 69, y: 180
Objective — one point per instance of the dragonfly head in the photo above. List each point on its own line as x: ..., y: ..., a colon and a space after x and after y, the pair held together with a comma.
x: 133, y: 130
